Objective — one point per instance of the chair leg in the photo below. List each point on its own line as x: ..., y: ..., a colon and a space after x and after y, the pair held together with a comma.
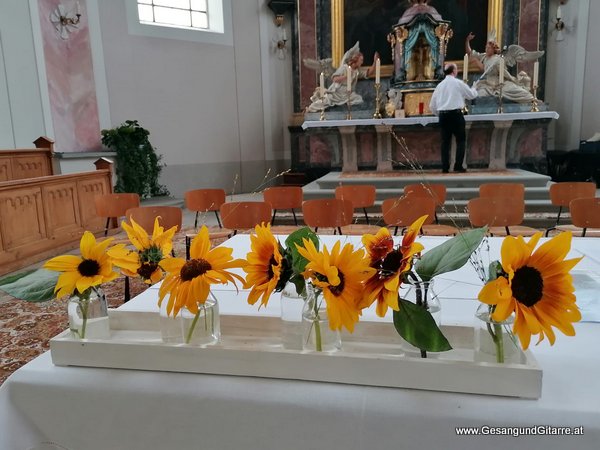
x: 295, y: 220
x: 196, y: 220
x: 339, y: 230
x: 558, y: 217
x: 436, y: 218
x: 273, y: 218
x: 106, y: 227
x: 395, y: 231
x: 583, y: 232
x: 316, y: 229
x: 218, y: 220
x: 234, y: 232
x: 127, y: 295
x: 187, y: 248
x: 507, y: 230
x: 366, y: 216
x: 548, y: 231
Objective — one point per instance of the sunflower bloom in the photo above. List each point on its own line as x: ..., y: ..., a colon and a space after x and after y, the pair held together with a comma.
x: 340, y: 275
x: 264, y: 265
x: 536, y: 286
x: 390, y: 264
x: 80, y: 273
x: 150, y: 251
x: 188, y: 282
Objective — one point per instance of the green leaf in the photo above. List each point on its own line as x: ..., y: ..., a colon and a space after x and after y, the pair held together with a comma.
x: 12, y: 278
x: 416, y: 326
x: 37, y: 286
x: 449, y: 256
x: 298, y: 261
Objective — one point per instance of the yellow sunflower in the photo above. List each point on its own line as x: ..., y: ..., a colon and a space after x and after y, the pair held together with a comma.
x: 390, y: 264
x: 79, y: 273
x: 340, y: 275
x: 150, y: 251
x: 536, y: 286
x: 188, y: 282
x: 264, y: 265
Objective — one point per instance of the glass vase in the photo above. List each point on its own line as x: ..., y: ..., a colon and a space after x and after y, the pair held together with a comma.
x: 422, y: 293
x: 292, y: 305
x: 317, y: 336
x: 203, y: 328
x: 495, y: 341
x: 88, y: 315
x: 170, y: 327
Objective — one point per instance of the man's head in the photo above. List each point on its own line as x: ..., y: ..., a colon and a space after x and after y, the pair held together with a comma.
x: 450, y: 69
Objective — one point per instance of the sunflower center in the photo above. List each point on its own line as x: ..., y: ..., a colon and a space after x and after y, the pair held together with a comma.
x: 88, y: 268
x: 272, y: 262
x: 194, y: 268
x: 337, y: 290
x: 147, y: 269
x: 527, y: 285
x: 391, y: 264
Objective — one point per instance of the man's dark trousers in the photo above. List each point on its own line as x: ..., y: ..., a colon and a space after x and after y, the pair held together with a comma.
x: 452, y: 123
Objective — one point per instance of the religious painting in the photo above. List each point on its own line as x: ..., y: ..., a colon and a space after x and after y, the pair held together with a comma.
x: 370, y: 21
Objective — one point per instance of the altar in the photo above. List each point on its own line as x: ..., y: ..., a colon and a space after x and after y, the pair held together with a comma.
x: 494, y: 141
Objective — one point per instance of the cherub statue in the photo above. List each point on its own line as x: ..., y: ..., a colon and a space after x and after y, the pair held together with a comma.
x: 337, y: 92
x: 514, y: 89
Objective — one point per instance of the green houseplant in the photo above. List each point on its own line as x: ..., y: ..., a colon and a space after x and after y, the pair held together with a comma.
x: 138, y: 166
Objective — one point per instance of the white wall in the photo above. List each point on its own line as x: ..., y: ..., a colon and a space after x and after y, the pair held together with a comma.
x: 590, y: 123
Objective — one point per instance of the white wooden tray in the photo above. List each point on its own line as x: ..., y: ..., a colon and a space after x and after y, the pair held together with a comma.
x: 251, y: 346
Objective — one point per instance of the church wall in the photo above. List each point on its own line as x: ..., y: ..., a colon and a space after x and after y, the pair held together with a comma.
x: 590, y: 123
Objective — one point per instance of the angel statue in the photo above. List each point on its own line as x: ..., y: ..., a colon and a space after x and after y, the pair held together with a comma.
x: 337, y: 92
x: 514, y: 89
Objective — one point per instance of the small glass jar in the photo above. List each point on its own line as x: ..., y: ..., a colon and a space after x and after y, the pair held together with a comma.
x: 292, y: 305
x: 317, y: 336
x: 421, y: 293
x: 203, y: 328
x: 495, y: 341
x: 88, y: 315
x: 170, y: 327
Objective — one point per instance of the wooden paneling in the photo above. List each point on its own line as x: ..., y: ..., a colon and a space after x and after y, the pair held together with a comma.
x: 25, y: 163
x: 41, y: 216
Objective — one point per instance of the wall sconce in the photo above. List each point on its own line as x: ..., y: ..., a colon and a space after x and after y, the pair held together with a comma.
x: 65, y: 22
x: 279, y: 7
x: 559, y: 25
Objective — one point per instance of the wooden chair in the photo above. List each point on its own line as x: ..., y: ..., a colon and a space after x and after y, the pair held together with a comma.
x: 113, y: 206
x: 585, y: 213
x: 284, y: 197
x: 245, y: 215
x: 328, y: 213
x: 204, y: 200
x: 361, y: 196
x: 435, y: 191
x: 562, y: 193
x: 503, y: 216
x: 403, y: 211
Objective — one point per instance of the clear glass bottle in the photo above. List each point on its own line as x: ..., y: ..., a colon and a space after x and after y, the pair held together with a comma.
x: 292, y: 305
x: 422, y: 293
x: 316, y: 333
x: 494, y: 341
x: 170, y: 327
x: 203, y: 328
x: 88, y: 315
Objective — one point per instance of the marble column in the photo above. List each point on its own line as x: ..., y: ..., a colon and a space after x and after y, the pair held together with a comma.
x: 384, y: 148
x: 498, y: 144
x: 349, y: 150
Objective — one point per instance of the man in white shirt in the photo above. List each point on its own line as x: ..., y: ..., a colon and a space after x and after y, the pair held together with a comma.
x: 447, y: 102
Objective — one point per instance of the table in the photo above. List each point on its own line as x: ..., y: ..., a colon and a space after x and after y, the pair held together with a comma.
x: 123, y: 409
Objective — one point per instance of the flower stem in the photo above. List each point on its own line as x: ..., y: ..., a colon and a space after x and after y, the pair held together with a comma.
x: 192, y: 326
x: 497, y: 336
x: 318, y: 343
x: 84, y: 305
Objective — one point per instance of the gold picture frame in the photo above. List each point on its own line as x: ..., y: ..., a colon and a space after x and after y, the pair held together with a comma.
x: 338, y: 46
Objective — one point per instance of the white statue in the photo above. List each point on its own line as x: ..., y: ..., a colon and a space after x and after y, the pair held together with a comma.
x: 514, y: 89
x: 337, y: 92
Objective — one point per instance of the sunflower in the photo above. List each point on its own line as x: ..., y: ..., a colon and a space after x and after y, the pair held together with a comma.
x: 390, y: 264
x: 188, y: 282
x: 264, y: 265
x: 536, y: 286
x: 80, y: 273
x: 150, y: 251
x: 340, y: 275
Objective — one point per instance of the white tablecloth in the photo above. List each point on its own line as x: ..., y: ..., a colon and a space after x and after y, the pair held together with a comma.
x: 87, y: 408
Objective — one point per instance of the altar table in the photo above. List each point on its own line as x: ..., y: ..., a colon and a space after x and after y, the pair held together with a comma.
x: 78, y: 408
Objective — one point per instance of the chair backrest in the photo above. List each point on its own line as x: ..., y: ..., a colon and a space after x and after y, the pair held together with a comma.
x: 145, y: 215
x: 245, y: 215
x: 115, y: 205
x: 512, y: 190
x: 585, y: 212
x: 435, y: 191
x: 562, y: 193
x: 202, y: 200
x: 361, y: 195
x: 403, y: 211
x: 284, y: 197
x: 495, y: 211
x: 327, y: 212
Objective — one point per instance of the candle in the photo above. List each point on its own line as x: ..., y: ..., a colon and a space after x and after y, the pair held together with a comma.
x: 284, y: 34
x: 348, y: 79
x: 501, y: 71
x: 78, y: 8
x: 322, y: 84
x: 466, y: 67
x: 558, y: 13
x: 377, y: 71
x: 536, y: 73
